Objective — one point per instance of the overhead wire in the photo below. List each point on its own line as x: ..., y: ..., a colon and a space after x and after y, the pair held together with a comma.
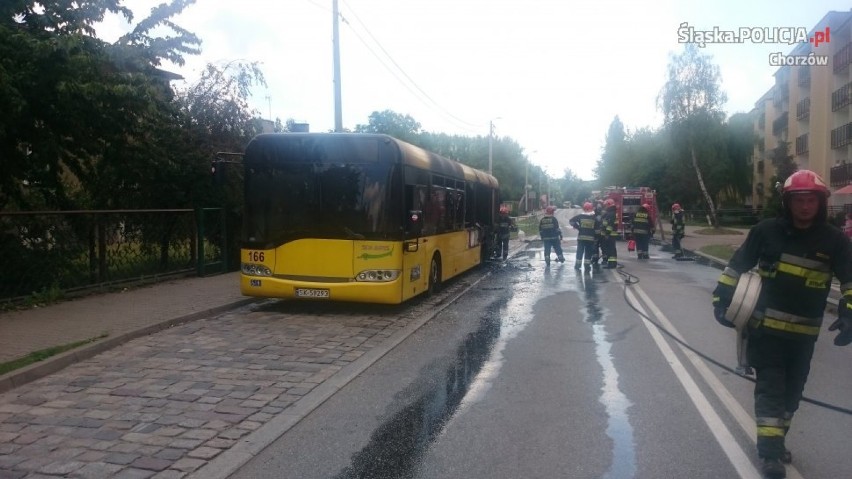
x: 431, y: 103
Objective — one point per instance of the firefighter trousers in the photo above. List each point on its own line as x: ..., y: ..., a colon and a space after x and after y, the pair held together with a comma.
x: 676, y: 244
x: 781, y: 366
x: 610, y: 251
x: 585, y: 251
x: 557, y: 248
x: 502, y: 249
x: 642, y: 242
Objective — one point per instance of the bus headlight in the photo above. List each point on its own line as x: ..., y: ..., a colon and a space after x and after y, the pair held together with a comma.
x: 378, y: 275
x: 252, y: 269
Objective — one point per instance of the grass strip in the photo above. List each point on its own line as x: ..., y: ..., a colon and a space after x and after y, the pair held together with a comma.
x: 43, y: 354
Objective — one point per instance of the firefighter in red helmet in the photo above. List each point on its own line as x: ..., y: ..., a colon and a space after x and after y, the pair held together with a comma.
x: 505, y: 226
x: 609, y: 230
x: 678, y: 230
x: 796, y: 255
x: 642, y: 230
x: 551, y: 235
x: 585, y: 223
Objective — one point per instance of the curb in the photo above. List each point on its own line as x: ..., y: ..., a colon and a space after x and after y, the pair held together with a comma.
x: 50, y: 365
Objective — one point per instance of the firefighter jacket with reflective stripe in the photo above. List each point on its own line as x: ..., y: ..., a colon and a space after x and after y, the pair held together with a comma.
x: 678, y: 226
x: 641, y: 223
x: 608, y: 223
x: 796, y: 267
x: 548, y: 228
x: 505, y: 225
x: 585, y: 224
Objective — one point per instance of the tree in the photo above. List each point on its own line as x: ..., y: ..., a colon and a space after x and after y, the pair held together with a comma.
x: 403, y: 127
x: 614, y: 154
x: 78, y: 111
x: 691, y: 102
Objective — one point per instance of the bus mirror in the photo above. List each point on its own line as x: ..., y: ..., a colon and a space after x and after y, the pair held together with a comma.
x: 411, y: 246
x: 415, y: 223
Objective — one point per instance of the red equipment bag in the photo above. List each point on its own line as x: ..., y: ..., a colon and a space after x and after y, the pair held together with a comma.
x: 631, y: 245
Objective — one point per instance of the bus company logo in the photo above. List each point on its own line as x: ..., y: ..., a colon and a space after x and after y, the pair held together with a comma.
x: 686, y: 33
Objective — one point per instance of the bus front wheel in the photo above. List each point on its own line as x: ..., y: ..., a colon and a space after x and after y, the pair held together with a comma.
x: 435, y: 275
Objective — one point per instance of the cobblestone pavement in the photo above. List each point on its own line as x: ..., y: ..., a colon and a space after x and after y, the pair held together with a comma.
x: 167, y: 404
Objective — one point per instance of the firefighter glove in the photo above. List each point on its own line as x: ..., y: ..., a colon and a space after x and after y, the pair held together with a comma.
x: 843, y: 323
x: 719, y: 314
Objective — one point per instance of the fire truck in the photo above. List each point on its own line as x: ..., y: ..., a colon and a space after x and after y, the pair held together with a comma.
x: 628, y: 199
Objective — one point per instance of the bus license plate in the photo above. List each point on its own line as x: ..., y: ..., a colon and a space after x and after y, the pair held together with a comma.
x: 311, y: 293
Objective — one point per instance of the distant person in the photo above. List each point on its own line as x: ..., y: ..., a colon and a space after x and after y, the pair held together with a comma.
x: 642, y: 230
x: 598, y: 249
x: 796, y: 255
x: 505, y: 226
x: 678, y: 230
x: 609, y: 234
x: 551, y: 235
x: 585, y: 224
x: 847, y: 227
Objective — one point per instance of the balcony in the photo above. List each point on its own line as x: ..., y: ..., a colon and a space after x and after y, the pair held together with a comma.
x: 780, y: 124
x: 803, y: 108
x: 802, y: 144
x: 842, y: 136
x: 840, y: 175
x: 842, y: 97
x: 842, y: 58
x: 804, y: 77
x: 761, y: 121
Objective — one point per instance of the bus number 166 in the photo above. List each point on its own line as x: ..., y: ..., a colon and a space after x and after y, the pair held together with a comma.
x: 255, y: 256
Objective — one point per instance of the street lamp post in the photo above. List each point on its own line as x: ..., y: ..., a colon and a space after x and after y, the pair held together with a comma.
x: 491, y: 144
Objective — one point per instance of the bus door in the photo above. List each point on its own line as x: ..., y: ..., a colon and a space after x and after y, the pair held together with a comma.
x: 415, y: 263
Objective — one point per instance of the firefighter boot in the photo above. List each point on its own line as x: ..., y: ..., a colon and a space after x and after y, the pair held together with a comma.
x: 786, y: 457
x: 772, y: 469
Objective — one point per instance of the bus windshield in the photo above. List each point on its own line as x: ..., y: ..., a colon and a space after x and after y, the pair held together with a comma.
x: 302, y: 188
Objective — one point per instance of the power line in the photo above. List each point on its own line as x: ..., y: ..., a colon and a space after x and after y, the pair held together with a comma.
x: 466, y: 125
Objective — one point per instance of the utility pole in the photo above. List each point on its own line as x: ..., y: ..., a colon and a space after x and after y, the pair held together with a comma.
x: 490, y: 144
x: 527, y: 188
x: 338, y: 112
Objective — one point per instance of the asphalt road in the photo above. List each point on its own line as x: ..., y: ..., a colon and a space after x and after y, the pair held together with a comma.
x: 553, y: 373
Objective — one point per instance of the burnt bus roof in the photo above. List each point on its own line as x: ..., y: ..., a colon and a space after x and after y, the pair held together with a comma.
x: 408, y: 154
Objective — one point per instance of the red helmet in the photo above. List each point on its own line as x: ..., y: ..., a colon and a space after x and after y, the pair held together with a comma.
x: 609, y: 202
x: 646, y: 206
x: 588, y: 206
x: 804, y: 181
x: 504, y: 209
x: 550, y: 209
x: 676, y: 206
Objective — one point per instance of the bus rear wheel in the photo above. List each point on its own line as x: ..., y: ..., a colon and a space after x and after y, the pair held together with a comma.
x: 434, y: 275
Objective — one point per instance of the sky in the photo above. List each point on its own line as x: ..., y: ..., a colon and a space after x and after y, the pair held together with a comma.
x: 550, y: 74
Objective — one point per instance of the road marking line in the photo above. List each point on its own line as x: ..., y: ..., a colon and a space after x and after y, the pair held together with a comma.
x: 724, y: 438
x: 725, y: 397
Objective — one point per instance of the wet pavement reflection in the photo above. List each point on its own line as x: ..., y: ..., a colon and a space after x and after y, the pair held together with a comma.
x: 397, y: 446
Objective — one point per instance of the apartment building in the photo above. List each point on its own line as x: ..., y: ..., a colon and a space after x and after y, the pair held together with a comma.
x: 810, y: 107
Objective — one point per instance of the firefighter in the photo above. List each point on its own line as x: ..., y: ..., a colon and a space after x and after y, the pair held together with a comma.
x: 505, y: 226
x: 609, y: 231
x: 642, y: 229
x: 796, y: 255
x: 585, y: 223
x: 678, y: 230
x: 598, y: 248
x: 551, y: 235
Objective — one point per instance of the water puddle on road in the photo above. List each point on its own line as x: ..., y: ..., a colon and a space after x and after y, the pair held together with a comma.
x: 397, y: 446
x: 616, y: 403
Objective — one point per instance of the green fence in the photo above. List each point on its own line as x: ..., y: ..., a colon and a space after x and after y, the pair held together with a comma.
x: 70, y: 251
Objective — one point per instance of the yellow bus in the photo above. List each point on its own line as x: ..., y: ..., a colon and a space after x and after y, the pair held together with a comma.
x: 359, y: 217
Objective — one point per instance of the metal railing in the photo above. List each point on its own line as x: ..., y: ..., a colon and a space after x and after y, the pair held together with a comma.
x: 71, y: 251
